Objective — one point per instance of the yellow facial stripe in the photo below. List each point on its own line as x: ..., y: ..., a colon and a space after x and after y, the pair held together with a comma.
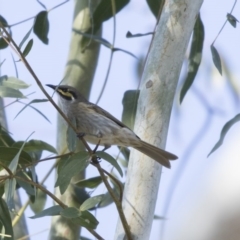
x: 67, y: 94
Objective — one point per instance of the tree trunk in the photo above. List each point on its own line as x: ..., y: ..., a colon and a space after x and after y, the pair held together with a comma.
x: 158, y: 85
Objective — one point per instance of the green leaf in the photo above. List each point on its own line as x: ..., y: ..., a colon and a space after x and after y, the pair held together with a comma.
x: 3, y: 43
x: 130, y: 35
x: 8, y: 153
x: 89, y: 183
x: 9, y: 189
x: 195, y: 56
x: 70, y: 212
x: 5, y: 220
x: 5, y: 138
x: 25, y: 37
x: 39, y: 202
x: 36, y: 145
x: 111, y: 160
x: 224, y: 131
x: 75, y: 164
x: 216, y: 59
x: 91, y: 202
x: 28, y: 48
x: 41, y: 26
x: 12, y: 82
x: 154, y: 6
x: 25, y: 185
x: 52, y: 211
x: 232, y: 20
x: 104, y: 11
x: 10, y: 92
x: 130, y: 101
x: 71, y: 137
x: 86, y: 220
x: 34, y: 101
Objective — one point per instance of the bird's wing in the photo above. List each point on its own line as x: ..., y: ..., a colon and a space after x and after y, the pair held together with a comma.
x: 106, y: 114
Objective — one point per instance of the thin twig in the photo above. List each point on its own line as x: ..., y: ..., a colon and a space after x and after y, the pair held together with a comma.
x: 112, y: 47
x: 116, y: 201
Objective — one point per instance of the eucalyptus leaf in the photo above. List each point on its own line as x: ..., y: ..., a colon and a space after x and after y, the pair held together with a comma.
x: 86, y: 220
x: 34, y: 101
x: 195, y: 56
x: 91, y: 202
x: 5, y: 220
x: 216, y: 59
x: 228, y: 125
x: 89, y: 183
x: 13, y: 82
x: 130, y: 101
x: 111, y: 160
x: 154, y: 6
x: 70, y: 212
x: 41, y: 26
x: 10, y: 92
x: 25, y: 38
x: 75, y: 164
x: 28, y: 48
x: 71, y: 137
x: 52, y: 211
x: 232, y: 20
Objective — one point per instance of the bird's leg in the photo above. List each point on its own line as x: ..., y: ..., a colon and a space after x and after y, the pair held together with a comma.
x: 106, y: 147
x: 96, y: 147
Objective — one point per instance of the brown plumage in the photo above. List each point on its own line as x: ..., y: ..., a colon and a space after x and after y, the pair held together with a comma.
x: 97, y: 124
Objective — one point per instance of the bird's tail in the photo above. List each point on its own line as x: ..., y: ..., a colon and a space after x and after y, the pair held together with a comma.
x: 156, y: 153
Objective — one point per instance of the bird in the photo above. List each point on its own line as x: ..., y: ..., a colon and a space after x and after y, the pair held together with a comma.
x: 99, y: 127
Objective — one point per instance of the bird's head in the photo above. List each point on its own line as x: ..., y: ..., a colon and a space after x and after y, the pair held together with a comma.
x: 66, y: 92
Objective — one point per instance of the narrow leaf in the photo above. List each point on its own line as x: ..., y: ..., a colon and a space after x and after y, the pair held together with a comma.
x: 28, y: 48
x: 36, y: 145
x: 86, y: 220
x: 224, y: 131
x: 91, y: 202
x: 25, y: 38
x: 41, y: 26
x: 9, y: 189
x: 70, y: 212
x: 33, y: 101
x: 10, y: 92
x: 75, y: 164
x: 8, y: 153
x: 5, y: 220
x: 52, y: 211
x: 25, y: 185
x: 89, y: 183
x: 232, y: 20
x: 13, y: 82
x: 130, y: 100
x: 71, y: 137
x: 216, y: 59
x: 195, y: 56
x: 110, y: 159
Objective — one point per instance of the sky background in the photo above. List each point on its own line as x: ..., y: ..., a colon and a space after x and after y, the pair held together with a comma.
x: 203, y: 180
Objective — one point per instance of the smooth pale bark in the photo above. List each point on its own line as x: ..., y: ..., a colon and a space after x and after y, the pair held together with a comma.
x: 79, y: 73
x: 158, y: 86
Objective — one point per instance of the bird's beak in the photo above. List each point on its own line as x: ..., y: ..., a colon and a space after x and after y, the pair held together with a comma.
x: 51, y: 86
